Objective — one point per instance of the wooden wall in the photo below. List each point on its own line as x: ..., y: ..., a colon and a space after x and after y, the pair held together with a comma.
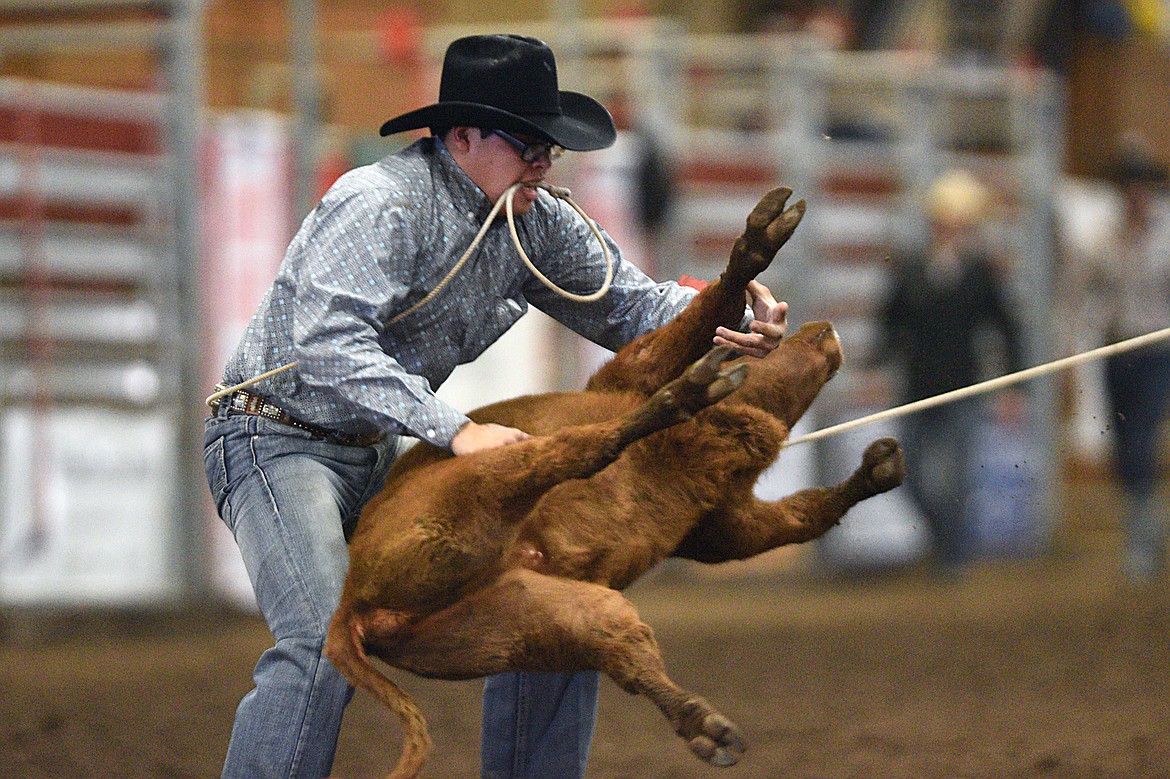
x: 1116, y: 87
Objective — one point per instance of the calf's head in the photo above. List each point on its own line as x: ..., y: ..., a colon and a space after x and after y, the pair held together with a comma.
x: 786, y: 382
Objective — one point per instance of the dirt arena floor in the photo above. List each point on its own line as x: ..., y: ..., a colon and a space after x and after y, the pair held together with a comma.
x: 1026, y: 668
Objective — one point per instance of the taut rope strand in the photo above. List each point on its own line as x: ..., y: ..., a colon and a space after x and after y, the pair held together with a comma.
x: 506, y: 197
x: 213, y: 397
x: 986, y: 386
x: 909, y: 408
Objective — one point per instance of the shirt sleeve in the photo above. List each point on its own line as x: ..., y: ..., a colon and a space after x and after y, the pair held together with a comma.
x: 574, y: 260
x: 358, y: 260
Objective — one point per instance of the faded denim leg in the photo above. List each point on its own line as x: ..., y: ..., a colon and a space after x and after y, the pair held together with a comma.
x: 1138, y: 385
x: 939, y: 474
x: 286, y: 497
x: 538, y: 725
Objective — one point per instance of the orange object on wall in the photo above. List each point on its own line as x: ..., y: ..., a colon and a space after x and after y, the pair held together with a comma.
x: 401, y: 35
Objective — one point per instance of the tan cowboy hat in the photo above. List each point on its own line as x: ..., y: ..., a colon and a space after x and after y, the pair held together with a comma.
x: 957, y: 197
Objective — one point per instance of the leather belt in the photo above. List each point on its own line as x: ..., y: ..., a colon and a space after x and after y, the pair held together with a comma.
x: 254, y: 405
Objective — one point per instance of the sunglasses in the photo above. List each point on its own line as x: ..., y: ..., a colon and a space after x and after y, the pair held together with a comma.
x: 532, y: 152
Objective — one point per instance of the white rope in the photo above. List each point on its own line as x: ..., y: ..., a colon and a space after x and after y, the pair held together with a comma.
x: 213, y: 397
x: 506, y: 197
x: 564, y: 194
x: 909, y: 408
x: 466, y: 255
x: 986, y: 386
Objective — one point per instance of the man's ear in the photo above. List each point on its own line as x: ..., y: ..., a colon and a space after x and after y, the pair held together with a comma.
x: 460, y: 138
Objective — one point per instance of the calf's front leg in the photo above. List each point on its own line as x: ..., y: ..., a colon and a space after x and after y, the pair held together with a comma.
x: 656, y: 358
x: 753, y: 526
x: 520, y: 474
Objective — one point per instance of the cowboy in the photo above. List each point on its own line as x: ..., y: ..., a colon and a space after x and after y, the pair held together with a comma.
x: 1121, y: 278
x: 365, y: 317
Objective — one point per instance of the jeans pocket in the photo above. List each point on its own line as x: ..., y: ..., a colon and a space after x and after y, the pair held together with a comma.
x: 215, y: 465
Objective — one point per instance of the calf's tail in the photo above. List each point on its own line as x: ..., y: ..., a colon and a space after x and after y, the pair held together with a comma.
x: 345, y: 650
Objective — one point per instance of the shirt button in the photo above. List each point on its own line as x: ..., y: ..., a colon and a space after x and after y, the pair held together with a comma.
x: 431, y: 432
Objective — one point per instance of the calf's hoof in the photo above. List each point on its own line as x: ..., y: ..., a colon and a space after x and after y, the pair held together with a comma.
x: 715, y: 381
x: 705, y: 382
x: 720, y: 744
x: 769, y: 226
x: 711, y: 736
x: 884, y: 465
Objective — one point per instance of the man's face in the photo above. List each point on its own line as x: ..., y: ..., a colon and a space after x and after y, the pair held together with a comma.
x: 494, y: 164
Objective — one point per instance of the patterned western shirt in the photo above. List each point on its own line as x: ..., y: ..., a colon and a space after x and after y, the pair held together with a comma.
x: 381, y: 239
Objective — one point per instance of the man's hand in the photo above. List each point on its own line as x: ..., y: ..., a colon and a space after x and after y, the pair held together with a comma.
x: 474, y: 437
x: 766, y: 332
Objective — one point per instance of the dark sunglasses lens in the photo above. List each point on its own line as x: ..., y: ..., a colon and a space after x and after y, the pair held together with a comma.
x: 534, y: 151
x: 537, y: 151
x: 531, y: 152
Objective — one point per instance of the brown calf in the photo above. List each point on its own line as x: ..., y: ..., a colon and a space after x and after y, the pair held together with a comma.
x: 514, y: 558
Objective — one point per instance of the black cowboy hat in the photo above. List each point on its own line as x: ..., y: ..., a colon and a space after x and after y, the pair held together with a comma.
x: 509, y: 83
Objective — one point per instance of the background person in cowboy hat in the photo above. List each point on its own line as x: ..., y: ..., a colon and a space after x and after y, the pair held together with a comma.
x: 381, y: 239
x: 945, y: 293
x: 1119, y: 287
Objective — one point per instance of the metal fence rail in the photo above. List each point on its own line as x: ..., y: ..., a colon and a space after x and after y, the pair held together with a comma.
x: 98, y: 324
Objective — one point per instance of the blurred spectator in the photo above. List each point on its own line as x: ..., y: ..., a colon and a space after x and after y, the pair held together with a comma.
x: 1121, y: 288
x: 932, y: 320
x: 958, y: 30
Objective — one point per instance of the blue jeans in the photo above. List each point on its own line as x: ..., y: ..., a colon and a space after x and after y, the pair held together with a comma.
x: 290, y: 500
x: 938, y: 475
x: 1138, y: 386
x: 538, y: 725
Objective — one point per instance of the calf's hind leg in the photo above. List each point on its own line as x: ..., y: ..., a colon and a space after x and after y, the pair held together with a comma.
x: 751, y: 527
x: 533, y: 622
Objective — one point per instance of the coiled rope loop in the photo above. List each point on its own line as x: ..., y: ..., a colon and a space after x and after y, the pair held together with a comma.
x: 505, y: 198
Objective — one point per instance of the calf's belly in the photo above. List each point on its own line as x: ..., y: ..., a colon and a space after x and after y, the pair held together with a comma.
x: 604, y: 532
